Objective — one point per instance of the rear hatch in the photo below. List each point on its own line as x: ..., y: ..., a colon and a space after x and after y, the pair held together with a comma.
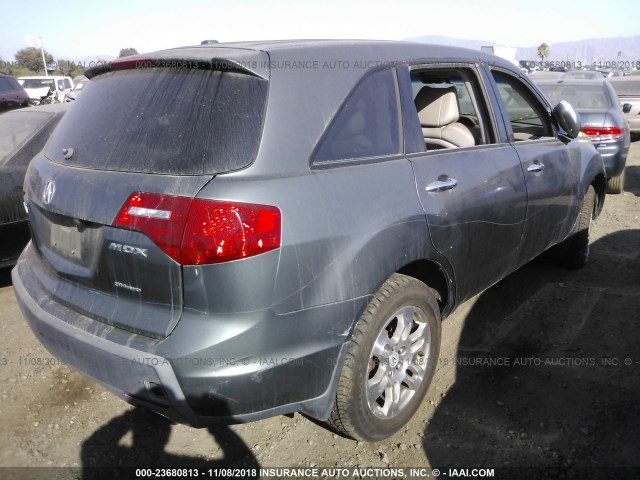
x: 109, y: 195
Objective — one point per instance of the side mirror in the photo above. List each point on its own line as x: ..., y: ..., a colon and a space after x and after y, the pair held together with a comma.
x: 626, y: 108
x: 567, y: 118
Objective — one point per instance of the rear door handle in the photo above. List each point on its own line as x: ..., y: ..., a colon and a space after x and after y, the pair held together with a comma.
x: 442, y: 185
x: 536, y: 167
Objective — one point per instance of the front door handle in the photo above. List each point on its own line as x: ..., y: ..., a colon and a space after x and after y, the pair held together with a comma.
x: 442, y: 185
x: 536, y: 167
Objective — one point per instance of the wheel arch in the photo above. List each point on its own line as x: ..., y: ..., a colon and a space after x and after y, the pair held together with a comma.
x: 435, y: 276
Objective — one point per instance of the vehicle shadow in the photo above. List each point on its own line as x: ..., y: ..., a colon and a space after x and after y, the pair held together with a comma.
x: 112, y: 453
x: 5, y: 277
x: 632, y: 179
x: 548, y: 373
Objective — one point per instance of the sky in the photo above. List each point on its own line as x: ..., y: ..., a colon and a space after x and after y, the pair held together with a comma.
x: 83, y: 29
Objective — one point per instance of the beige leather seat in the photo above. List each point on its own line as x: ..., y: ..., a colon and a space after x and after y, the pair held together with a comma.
x: 438, y: 113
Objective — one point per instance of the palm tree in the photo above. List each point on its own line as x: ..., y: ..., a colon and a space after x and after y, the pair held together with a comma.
x: 543, y: 51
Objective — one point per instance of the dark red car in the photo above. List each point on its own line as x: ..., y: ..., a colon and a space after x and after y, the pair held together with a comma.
x: 12, y: 95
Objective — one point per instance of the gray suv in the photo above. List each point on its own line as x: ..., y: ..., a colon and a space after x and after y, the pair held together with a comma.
x: 227, y: 232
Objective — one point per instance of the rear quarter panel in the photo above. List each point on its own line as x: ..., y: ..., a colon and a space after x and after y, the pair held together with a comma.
x: 345, y: 230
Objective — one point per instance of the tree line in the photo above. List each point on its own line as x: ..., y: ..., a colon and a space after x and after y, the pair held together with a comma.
x: 28, y: 61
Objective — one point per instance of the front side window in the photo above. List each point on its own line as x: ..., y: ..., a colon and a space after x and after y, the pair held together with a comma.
x: 366, y: 125
x: 527, y: 117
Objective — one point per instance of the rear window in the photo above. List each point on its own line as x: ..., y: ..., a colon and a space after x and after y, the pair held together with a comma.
x: 17, y: 128
x: 167, y: 121
x: 579, y: 96
x: 4, y: 85
x: 8, y: 84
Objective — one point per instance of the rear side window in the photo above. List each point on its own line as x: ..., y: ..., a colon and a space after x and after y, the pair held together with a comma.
x: 450, y: 107
x: 367, y: 125
x: 167, y: 121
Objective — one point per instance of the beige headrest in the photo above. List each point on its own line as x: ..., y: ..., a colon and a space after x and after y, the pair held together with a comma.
x: 437, y: 107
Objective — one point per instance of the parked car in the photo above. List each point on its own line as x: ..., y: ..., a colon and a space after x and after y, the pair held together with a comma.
x: 602, y: 120
x: 239, y: 230
x: 12, y: 95
x: 583, y: 74
x: 23, y: 133
x: 628, y: 91
x: 39, y: 87
x: 609, y: 73
x: 546, y: 74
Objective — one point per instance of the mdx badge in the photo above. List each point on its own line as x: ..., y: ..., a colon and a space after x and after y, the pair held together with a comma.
x: 49, y: 190
x: 118, y: 247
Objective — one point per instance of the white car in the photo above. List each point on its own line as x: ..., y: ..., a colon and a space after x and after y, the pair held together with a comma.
x: 628, y: 90
x: 39, y: 86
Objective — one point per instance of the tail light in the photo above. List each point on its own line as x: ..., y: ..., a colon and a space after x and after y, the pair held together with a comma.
x: 198, y: 231
x: 603, y: 134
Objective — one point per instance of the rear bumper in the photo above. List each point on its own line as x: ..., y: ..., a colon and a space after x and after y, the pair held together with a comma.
x: 231, y: 380
x: 131, y: 374
x: 614, y: 155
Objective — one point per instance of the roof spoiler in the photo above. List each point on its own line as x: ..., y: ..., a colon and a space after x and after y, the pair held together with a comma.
x: 216, y: 63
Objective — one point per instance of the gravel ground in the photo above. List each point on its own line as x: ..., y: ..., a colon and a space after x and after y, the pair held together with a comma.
x: 539, y: 376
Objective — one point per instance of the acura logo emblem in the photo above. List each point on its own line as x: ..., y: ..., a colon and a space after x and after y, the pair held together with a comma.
x: 49, y: 190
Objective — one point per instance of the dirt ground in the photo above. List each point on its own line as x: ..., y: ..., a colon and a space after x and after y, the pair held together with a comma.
x: 539, y: 377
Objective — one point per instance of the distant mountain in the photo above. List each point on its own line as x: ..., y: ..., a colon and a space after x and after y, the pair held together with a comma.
x: 625, y: 49
x: 616, y: 49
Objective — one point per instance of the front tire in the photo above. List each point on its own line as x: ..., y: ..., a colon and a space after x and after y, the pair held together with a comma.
x: 390, y: 361
x: 574, y: 251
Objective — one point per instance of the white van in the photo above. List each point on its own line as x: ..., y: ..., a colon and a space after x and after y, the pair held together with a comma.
x: 39, y: 86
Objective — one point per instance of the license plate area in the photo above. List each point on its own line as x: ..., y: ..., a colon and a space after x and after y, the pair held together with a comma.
x: 66, y: 242
x: 69, y: 240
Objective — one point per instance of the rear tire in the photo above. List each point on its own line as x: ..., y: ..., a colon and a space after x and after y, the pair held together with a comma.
x: 616, y: 184
x: 390, y: 361
x: 574, y: 251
